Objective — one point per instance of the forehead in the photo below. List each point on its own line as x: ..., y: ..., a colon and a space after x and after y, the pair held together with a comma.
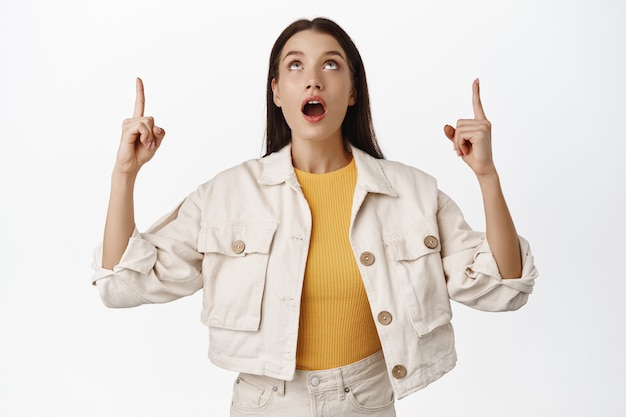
x: 310, y: 42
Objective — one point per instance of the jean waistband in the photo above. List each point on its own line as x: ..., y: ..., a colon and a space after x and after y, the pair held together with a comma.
x: 336, y: 379
x: 341, y: 377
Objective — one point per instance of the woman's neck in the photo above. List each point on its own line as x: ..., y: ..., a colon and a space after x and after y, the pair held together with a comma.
x: 319, y: 157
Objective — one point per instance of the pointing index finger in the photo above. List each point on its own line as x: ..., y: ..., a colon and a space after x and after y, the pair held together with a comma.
x: 140, y: 99
x: 479, y: 113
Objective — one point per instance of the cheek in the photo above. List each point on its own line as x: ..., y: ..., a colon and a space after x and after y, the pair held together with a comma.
x: 290, y: 101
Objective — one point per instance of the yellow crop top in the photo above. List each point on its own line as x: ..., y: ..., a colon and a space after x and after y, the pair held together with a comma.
x: 336, y: 323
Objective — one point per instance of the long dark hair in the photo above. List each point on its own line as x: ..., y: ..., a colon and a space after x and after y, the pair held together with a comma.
x: 357, y: 126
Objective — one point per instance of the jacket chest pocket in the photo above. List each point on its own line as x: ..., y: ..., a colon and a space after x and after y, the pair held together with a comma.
x: 234, y: 269
x: 415, y: 261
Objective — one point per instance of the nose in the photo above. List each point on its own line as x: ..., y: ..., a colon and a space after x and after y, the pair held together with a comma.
x: 314, y: 81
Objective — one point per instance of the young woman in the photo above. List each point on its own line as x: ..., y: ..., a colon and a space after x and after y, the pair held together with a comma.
x: 326, y: 270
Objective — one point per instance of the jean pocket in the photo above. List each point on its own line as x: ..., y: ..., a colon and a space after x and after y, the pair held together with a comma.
x: 373, y: 395
x: 250, y: 396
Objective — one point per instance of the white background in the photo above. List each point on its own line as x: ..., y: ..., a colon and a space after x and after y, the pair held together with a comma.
x: 553, y: 82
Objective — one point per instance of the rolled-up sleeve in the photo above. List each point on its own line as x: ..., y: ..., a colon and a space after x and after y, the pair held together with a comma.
x: 471, y: 270
x: 158, y: 266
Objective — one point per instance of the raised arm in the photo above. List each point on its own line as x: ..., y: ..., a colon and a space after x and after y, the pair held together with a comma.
x: 140, y: 140
x: 472, y: 142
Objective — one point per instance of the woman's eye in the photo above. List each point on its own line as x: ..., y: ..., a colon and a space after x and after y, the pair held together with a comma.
x: 295, y: 65
x: 331, y: 65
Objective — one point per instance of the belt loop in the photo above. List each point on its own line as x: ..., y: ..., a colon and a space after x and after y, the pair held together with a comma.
x: 341, y: 389
x: 280, y: 387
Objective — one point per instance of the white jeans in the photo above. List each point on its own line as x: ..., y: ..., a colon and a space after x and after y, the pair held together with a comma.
x: 359, y: 389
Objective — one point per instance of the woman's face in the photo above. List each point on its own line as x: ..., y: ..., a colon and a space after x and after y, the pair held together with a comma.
x: 314, y: 86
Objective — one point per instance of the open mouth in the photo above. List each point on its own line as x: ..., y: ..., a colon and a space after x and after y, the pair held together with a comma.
x: 314, y: 108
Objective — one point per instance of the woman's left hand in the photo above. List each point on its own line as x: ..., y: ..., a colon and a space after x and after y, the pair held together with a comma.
x: 472, y: 137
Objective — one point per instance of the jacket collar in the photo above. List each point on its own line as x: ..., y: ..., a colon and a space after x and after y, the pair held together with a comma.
x: 278, y: 168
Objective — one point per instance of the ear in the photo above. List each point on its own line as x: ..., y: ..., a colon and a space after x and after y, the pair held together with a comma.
x: 352, y: 100
x: 275, y: 92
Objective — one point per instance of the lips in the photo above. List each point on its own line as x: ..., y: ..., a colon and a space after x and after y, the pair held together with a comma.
x: 314, y: 109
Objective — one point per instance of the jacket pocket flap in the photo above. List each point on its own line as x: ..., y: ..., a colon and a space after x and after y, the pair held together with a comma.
x: 414, y: 241
x: 236, y: 238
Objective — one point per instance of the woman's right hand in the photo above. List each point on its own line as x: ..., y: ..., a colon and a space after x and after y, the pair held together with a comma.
x: 140, y: 138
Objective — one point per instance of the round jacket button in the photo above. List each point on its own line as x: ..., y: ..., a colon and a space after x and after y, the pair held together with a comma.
x: 238, y: 246
x: 431, y: 242
x: 398, y: 371
x: 367, y: 258
x: 384, y: 317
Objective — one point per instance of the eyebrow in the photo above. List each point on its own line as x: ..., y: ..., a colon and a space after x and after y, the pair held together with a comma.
x: 327, y: 53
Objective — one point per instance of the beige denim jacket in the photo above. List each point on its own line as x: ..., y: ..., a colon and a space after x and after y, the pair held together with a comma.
x: 243, y: 238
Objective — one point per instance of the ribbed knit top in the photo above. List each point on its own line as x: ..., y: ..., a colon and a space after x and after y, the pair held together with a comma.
x: 336, y: 323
